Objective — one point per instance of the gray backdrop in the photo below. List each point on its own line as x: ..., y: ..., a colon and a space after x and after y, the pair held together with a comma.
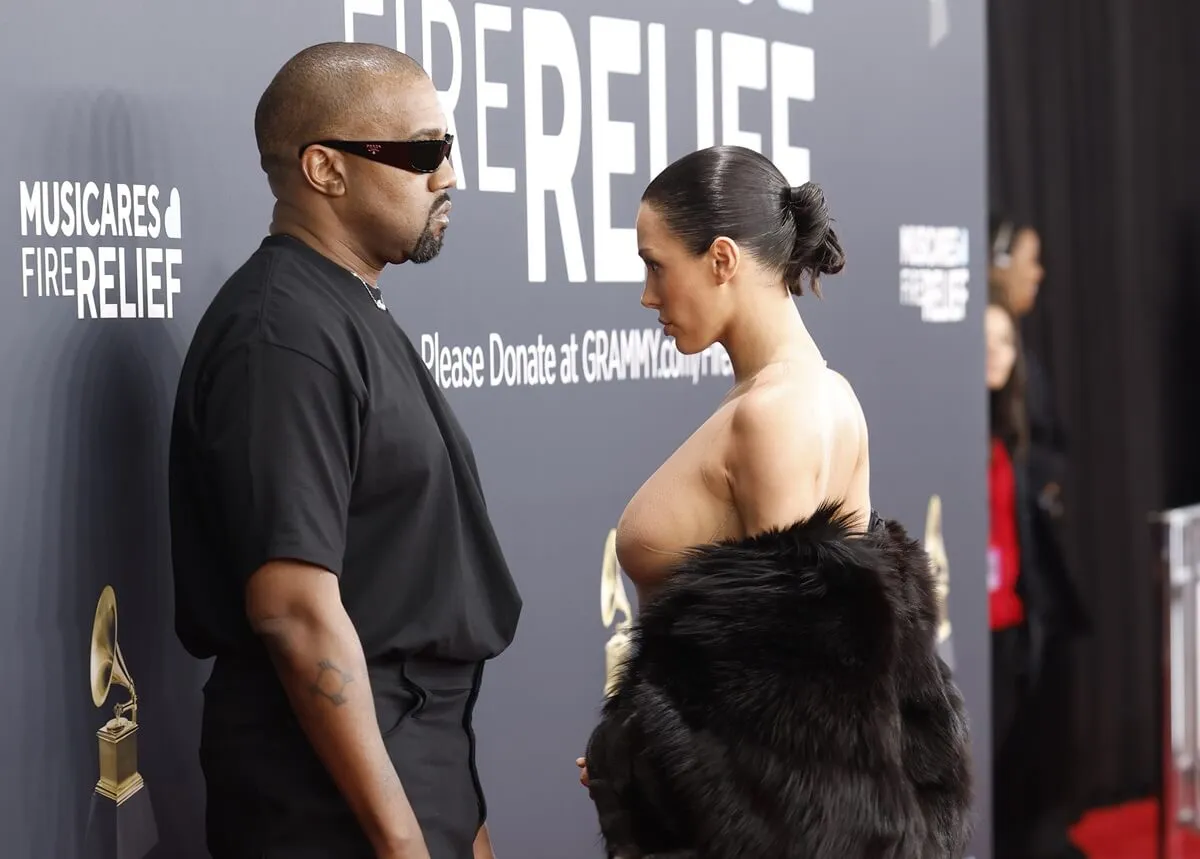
x: 887, y: 96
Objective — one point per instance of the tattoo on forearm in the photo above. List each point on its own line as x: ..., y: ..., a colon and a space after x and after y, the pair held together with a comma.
x: 331, y: 682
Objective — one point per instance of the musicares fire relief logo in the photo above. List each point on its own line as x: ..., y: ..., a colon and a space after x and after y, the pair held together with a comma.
x: 935, y: 273
x: 110, y: 249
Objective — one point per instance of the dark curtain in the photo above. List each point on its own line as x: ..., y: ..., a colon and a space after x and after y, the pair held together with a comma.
x: 1094, y: 115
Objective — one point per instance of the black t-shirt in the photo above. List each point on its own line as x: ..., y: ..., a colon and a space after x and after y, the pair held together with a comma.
x: 306, y: 427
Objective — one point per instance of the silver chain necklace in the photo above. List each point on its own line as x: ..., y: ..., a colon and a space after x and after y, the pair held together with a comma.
x: 374, y: 292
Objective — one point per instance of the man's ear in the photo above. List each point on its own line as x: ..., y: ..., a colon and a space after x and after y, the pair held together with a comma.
x: 324, y: 171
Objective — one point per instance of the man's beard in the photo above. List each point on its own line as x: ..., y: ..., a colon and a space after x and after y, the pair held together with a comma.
x: 429, y: 244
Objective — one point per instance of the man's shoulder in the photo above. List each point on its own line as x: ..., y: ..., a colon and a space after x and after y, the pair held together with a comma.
x: 277, y: 298
x: 284, y: 286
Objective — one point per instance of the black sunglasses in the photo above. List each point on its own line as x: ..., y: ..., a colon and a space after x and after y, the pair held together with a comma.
x: 416, y: 156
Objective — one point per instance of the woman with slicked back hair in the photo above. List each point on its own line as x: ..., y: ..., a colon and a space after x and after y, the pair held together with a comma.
x: 781, y: 695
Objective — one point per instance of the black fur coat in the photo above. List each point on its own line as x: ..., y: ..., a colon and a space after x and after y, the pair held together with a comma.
x: 783, y: 699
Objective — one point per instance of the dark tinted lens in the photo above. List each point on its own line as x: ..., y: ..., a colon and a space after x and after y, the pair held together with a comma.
x: 428, y: 155
x: 425, y: 155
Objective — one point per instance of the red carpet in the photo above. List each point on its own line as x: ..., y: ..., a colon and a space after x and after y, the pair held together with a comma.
x: 1128, y: 832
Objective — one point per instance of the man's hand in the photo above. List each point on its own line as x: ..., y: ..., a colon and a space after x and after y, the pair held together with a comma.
x: 1050, y: 500
x: 583, y: 773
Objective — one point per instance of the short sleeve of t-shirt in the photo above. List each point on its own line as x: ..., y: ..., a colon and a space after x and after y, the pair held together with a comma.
x: 280, y: 433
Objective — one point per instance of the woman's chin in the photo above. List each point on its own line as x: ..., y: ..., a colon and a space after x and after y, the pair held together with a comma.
x: 684, y: 342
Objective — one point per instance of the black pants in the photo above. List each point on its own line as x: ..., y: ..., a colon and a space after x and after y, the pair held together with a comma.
x: 1011, y: 814
x: 270, y: 797
x: 1030, y: 745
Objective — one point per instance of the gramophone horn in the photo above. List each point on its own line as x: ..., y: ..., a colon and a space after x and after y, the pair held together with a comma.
x: 613, y: 598
x: 107, y: 663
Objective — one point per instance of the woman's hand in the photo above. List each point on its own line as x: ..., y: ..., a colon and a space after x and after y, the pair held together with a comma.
x: 583, y: 773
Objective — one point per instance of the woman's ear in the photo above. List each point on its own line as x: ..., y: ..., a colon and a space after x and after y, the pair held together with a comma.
x: 724, y: 256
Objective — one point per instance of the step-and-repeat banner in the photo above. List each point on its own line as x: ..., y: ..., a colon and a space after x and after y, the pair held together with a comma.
x: 131, y: 191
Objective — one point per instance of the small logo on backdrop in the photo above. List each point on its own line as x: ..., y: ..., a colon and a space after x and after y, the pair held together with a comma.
x: 934, y: 271
x: 939, y: 562
x: 111, y: 250
x: 121, y: 822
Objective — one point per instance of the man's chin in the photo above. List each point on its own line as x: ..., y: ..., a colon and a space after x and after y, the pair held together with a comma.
x: 426, y: 250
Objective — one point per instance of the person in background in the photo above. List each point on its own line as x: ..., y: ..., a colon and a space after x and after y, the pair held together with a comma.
x: 1010, y: 564
x: 1053, y: 609
x: 1016, y: 277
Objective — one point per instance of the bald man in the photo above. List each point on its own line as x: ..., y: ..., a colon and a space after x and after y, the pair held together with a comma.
x: 332, y: 549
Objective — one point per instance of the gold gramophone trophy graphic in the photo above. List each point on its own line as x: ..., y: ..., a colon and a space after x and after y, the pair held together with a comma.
x: 613, y: 599
x: 935, y: 547
x: 121, y: 824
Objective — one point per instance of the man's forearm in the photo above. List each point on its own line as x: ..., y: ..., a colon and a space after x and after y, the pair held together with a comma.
x: 322, y: 668
x: 483, y: 844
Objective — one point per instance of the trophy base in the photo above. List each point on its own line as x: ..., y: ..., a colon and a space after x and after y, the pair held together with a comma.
x: 119, y: 776
x: 121, y: 830
x: 127, y: 789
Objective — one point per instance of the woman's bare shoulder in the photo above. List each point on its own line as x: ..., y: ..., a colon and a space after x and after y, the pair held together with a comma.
x: 792, y: 399
x: 813, y: 418
x: 848, y: 405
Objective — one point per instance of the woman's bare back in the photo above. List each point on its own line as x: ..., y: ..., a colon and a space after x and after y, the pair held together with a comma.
x: 794, y: 438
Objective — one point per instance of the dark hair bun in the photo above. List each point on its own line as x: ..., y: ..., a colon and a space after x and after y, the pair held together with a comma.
x: 738, y: 193
x: 816, y: 250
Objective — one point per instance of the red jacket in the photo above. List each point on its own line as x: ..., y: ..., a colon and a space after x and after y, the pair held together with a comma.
x: 1005, y: 608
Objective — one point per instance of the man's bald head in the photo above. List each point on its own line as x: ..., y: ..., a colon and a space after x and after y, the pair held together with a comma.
x: 321, y: 90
